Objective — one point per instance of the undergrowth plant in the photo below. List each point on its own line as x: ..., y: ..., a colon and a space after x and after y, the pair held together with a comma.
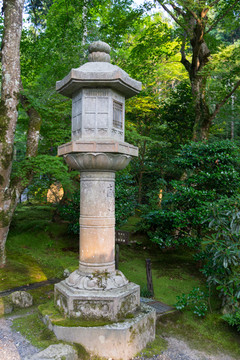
x: 221, y: 256
x: 196, y: 300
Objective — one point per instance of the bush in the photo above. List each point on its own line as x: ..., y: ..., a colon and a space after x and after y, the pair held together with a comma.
x: 221, y: 254
x: 210, y: 173
x: 196, y: 300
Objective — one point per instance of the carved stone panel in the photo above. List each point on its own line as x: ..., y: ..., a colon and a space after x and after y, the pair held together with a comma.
x: 77, y: 116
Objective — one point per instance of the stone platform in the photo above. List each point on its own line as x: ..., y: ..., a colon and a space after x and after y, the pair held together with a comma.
x: 121, y: 340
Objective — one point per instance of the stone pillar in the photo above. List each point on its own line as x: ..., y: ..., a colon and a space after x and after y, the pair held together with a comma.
x: 97, y: 222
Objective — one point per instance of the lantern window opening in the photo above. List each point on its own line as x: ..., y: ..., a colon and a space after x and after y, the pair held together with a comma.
x: 117, y: 115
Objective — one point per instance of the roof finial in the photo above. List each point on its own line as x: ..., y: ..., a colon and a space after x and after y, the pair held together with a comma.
x: 99, y: 52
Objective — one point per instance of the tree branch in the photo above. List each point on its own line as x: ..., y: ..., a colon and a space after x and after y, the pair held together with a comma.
x: 220, y: 105
x: 194, y: 15
x: 172, y: 15
x: 221, y: 17
x: 177, y: 9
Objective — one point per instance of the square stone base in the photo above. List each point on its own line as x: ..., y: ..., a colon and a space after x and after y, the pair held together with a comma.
x: 111, y: 305
x: 121, y: 340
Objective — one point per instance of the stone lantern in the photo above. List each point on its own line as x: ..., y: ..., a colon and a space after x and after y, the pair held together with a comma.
x: 98, y: 90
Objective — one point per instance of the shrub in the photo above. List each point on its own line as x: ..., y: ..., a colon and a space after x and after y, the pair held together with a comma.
x: 210, y: 173
x: 196, y: 300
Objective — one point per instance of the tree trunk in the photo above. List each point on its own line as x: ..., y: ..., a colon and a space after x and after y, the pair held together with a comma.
x: 13, y: 10
x: 202, y: 120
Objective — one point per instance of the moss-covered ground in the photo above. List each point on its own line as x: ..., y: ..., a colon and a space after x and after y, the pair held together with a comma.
x: 39, y: 249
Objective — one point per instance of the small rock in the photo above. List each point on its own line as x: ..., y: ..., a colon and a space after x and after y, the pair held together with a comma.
x: 56, y: 352
x: 66, y: 273
x: 22, y: 299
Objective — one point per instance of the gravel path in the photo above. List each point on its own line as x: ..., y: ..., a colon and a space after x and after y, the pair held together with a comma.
x: 179, y: 350
x: 13, y: 346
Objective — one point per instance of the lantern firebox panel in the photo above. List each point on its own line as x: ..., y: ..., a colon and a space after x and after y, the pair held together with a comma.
x: 98, y: 114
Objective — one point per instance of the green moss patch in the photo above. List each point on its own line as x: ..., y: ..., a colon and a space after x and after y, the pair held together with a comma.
x: 172, y: 272
x: 35, y: 331
x: 155, y: 347
x: 34, y: 248
x: 57, y: 318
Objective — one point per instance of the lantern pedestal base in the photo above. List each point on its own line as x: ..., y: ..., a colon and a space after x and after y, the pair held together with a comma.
x: 110, y: 302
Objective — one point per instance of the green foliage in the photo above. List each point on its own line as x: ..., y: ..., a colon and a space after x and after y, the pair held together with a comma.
x: 195, y: 301
x: 221, y: 252
x: 172, y: 272
x: 44, y: 170
x: 177, y: 114
x: 233, y: 318
x: 125, y: 198
x: 144, y: 292
x: 69, y: 211
x: 211, y: 172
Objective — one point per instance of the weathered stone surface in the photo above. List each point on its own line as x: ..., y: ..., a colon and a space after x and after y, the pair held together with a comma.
x: 97, y: 222
x: 98, y: 74
x: 96, y: 281
x: 97, y: 161
x: 66, y: 273
x: 99, y: 46
x: 98, y: 114
x: 98, y: 146
x: 56, y: 352
x: 22, y: 299
x: 111, y: 304
x: 117, y: 341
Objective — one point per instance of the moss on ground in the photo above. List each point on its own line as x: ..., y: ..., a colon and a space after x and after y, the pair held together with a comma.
x: 35, y: 331
x: 34, y: 248
x: 156, y: 347
x: 172, y: 272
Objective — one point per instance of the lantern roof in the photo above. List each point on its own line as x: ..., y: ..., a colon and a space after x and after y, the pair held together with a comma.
x: 98, y: 72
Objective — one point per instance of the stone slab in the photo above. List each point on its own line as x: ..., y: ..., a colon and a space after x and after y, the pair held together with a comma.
x: 97, y: 304
x: 56, y: 352
x: 109, y: 146
x: 121, y: 340
x: 159, y: 306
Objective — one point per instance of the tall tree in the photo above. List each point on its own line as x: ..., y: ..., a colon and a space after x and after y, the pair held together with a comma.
x: 10, y: 189
x: 13, y: 10
x: 197, y: 19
